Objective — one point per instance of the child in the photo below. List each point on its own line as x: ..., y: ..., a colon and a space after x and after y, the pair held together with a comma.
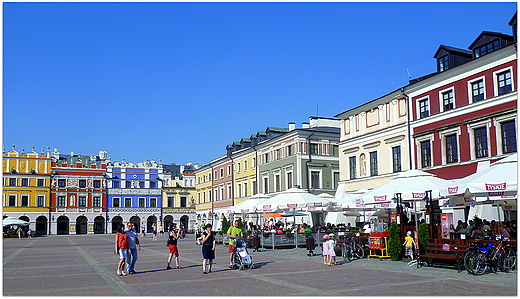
x: 409, y: 243
x: 332, y: 252
x: 325, y: 249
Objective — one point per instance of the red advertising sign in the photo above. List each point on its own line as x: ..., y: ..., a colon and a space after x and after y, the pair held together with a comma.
x: 392, y: 217
x: 444, y: 217
x: 317, y: 204
x: 418, y: 195
x: 496, y: 187
x: 380, y: 198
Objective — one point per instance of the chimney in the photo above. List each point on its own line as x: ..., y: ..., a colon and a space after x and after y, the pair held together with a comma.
x: 292, y: 126
x: 305, y: 125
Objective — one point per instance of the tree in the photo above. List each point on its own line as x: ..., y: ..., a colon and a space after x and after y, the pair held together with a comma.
x: 394, y: 239
x: 423, y: 235
x: 225, y: 225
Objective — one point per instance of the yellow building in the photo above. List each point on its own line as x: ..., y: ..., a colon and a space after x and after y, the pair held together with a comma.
x: 203, y: 186
x: 245, y: 174
x: 26, y: 187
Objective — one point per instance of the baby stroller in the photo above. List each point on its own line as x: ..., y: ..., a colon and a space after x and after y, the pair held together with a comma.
x: 241, y: 258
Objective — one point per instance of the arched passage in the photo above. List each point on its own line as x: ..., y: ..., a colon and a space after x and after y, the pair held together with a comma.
x: 116, y: 221
x: 81, y: 225
x: 99, y: 225
x: 62, y: 225
x: 185, y: 221
x: 24, y: 218
x: 136, y: 220
x: 167, y: 221
x: 41, y: 225
x: 150, y: 222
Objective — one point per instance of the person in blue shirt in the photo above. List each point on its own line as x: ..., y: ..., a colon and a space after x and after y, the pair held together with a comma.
x: 133, y: 247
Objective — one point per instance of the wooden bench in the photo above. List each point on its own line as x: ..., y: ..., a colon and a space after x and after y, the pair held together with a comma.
x: 445, y: 251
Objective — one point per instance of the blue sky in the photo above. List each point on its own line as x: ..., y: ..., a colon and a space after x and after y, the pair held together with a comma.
x: 180, y: 81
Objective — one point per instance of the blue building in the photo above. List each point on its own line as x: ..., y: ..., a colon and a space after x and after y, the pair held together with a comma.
x: 134, y: 193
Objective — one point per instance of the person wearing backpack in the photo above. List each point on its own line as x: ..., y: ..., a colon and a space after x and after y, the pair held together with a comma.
x: 121, y: 248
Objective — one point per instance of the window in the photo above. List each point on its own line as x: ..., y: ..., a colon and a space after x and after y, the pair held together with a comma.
x: 12, y: 200
x: 487, y: 48
x: 115, y: 202
x: 373, y: 163
x: 266, y: 190
x: 82, y: 202
x: 424, y: 108
x: 12, y: 182
x: 141, y: 184
x: 25, y: 182
x: 25, y: 201
x: 425, y: 154
x: 41, y: 182
x: 238, y: 167
x: 315, y: 179
x: 245, y: 189
x: 228, y: 192
x: 277, y: 182
x: 229, y: 170
x: 289, y: 150
x: 277, y: 154
x: 96, y: 201
x: 116, y: 184
x: 245, y: 165
x: 314, y: 149
x: 61, y: 201
x: 481, y: 145
x: 171, y: 201
x: 352, y: 167
x: 477, y: 90
x: 289, y: 180
x: 447, y: 100
x: 184, y: 201
x: 40, y: 201
x: 504, y: 82
x: 255, y: 188
x: 153, y: 184
x: 266, y: 158
x: 443, y: 63
x: 61, y: 183
x: 221, y: 172
x: 336, y: 180
x: 128, y: 184
x: 508, y: 137
x: 82, y: 183
x: 97, y: 184
x: 128, y: 202
x: 254, y: 162
x: 451, y: 149
x: 239, y: 190
x: 142, y: 202
x: 334, y: 151
x: 396, y: 158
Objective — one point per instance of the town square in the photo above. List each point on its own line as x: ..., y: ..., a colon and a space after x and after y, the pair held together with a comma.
x: 260, y: 149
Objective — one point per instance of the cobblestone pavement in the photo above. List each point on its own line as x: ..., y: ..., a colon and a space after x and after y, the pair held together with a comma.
x: 85, y: 265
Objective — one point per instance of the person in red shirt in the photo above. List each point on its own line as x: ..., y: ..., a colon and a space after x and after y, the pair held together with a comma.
x: 121, y: 249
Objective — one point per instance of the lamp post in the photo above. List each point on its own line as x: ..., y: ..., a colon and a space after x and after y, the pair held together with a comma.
x: 399, y: 212
x: 429, y: 211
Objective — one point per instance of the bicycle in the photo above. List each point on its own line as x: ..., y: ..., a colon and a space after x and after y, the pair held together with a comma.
x: 352, y: 249
x: 478, y: 259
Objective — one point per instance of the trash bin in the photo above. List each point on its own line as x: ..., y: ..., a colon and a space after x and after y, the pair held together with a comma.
x: 256, y: 243
x: 309, y: 244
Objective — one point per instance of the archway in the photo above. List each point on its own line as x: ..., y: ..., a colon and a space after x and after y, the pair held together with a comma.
x: 62, y: 225
x: 116, y: 221
x: 41, y: 225
x: 167, y: 221
x: 99, y: 225
x: 81, y: 225
x: 149, y: 223
x: 136, y: 220
x: 184, y: 222
x: 24, y: 218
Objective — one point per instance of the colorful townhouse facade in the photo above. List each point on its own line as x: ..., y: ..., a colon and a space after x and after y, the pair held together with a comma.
x: 464, y: 116
x: 26, y: 187
x: 134, y: 194
x: 178, y: 195
x: 78, y: 193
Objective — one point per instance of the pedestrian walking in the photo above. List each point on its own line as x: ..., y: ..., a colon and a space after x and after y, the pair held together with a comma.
x: 172, y: 245
x: 161, y: 231
x: 121, y: 249
x: 154, y: 232
x: 232, y: 233
x: 29, y: 234
x: 133, y: 246
x: 143, y: 230
x: 208, y: 249
x: 408, y: 244
x: 332, y: 251
x: 325, y: 249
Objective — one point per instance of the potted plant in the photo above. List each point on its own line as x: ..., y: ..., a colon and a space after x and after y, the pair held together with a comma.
x: 395, y: 247
x: 423, y: 236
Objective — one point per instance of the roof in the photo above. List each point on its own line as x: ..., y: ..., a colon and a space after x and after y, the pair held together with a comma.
x: 453, y: 50
x: 489, y: 33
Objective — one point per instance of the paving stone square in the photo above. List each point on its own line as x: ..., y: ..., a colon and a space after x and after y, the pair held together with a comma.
x: 85, y: 265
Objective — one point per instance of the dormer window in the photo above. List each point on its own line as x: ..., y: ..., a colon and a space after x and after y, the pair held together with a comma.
x: 443, y: 63
x: 487, y: 48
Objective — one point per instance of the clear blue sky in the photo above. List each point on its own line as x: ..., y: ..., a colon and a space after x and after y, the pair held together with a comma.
x: 180, y: 81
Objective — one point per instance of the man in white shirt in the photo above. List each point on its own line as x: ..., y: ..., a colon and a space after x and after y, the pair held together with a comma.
x: 133, y: 245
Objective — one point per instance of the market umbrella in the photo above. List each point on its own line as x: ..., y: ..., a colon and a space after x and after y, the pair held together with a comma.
x: 296, y: 198
x: 500, y: 179
x: 273, y: 215
x: 290, y: 214
x: 11, y: 220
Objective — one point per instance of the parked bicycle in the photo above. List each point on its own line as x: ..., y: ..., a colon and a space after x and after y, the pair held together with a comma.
x: 482, y: 256
x: 352, y: 249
